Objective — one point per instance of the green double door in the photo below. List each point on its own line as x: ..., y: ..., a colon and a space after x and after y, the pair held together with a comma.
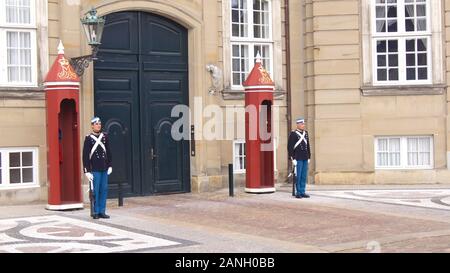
x: 140, y: 75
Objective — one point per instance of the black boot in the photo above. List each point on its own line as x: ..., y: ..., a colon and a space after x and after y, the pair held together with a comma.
x: 104, y: 216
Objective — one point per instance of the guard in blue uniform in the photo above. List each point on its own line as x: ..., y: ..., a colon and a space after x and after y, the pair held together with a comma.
x: 97, y: 165
x: 299, y: 152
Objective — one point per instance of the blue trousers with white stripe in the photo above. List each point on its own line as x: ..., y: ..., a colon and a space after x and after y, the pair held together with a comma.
x: 302, y: 176
x: 100, y: 191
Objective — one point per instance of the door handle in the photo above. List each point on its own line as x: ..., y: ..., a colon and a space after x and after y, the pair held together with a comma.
x: 152, y: 154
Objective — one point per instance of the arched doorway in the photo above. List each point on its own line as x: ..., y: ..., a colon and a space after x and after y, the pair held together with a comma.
x: 140, y: 74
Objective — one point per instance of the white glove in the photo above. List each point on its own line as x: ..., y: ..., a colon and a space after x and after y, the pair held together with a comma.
x: 294, y: 162
x: 89, y: 176
x: 109, y: 170
x: 309, y: 160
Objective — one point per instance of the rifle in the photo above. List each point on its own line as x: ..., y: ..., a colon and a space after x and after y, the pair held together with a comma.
x: 294, y: 176
x: 91, y: 198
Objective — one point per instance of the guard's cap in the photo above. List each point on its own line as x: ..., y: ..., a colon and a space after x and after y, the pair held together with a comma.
x: 300, y: 120
x: 95, y: 120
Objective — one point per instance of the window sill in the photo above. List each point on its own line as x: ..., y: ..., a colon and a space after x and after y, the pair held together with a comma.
x: 239, y: 94
x: 26, y: 93
x: 419, y: 168
x: 403, y: 90
x: 19, y: 187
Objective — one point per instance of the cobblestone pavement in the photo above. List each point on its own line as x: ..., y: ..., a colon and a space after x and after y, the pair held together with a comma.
x: 383, y: 219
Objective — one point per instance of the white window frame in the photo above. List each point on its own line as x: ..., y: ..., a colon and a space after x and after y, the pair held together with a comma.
x: 250, y: 41
x: 242, y: 141
x: 5, y: 167
x: 236, y: 142
x: 404, y: 154
x: 250, y: 30
x: 251, y: 58
x: 435, y: 45
x: 402, y: 61
x: 30, y: 28
x: 401, y: 36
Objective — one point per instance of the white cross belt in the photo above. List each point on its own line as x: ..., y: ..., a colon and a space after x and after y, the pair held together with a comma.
x: 98, y: 141
x: 302, y: 138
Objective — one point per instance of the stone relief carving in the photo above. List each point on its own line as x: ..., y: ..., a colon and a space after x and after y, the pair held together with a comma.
x: 216, y: 79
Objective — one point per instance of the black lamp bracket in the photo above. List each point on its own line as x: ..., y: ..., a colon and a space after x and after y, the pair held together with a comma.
x: 79, y: 64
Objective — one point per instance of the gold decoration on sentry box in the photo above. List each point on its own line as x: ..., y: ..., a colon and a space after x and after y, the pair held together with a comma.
x: 265, y: 77
x: 66, y: 73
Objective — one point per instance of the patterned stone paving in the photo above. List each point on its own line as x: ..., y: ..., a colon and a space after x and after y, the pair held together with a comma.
x: 435, y: 198
x: 55, y: 233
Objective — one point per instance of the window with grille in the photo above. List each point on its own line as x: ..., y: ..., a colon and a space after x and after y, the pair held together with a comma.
x: 401, y: 39
x: 239, y: 156
x: 18, y: 167
x: 251, y: 27
x: 406, y: 152
x: 18, y: 55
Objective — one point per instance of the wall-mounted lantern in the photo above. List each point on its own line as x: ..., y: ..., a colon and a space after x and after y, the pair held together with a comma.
x: 93, y: 28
